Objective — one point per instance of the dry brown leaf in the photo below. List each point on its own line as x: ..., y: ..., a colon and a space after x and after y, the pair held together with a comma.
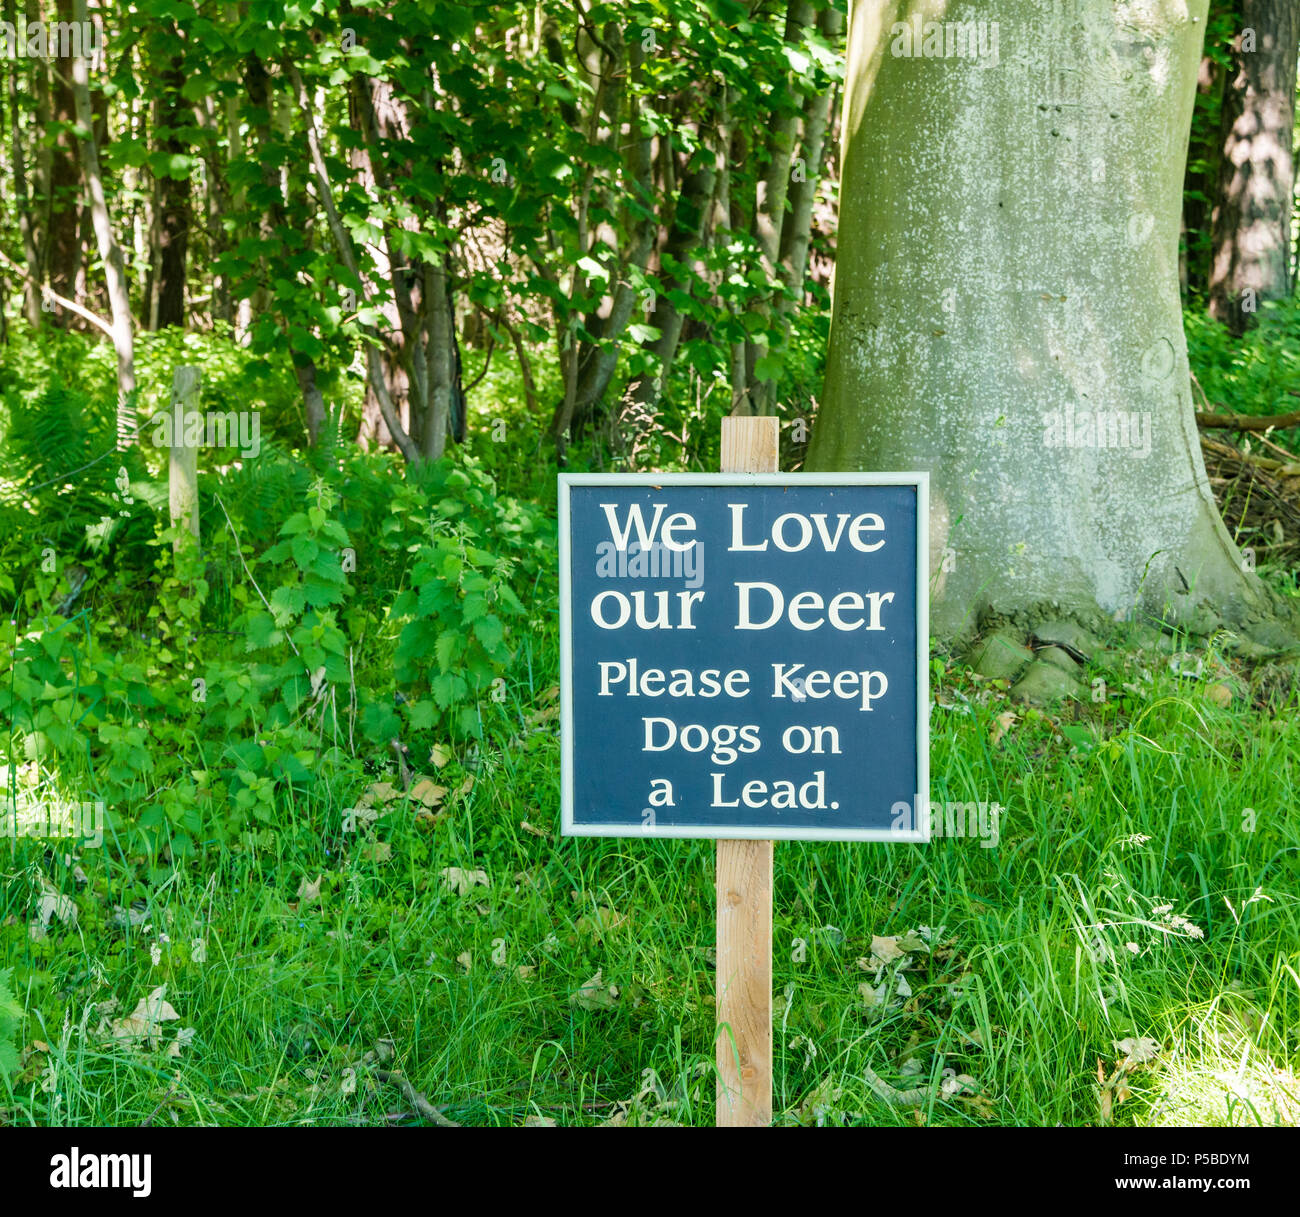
x: 1001, y: 725
x: 595, y: 994
x: 536, y: 832
x: 885, y: 950
x: 544, y: 715
x: 439, y: 756
x: 145, y: 1021
x: 1137, y: 1051
x: 428, y: 792
x: 379, y: 792
x: 461, y: 880
x: 309, y: 889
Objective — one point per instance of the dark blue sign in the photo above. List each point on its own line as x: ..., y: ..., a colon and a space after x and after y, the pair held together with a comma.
x: 745, y: 655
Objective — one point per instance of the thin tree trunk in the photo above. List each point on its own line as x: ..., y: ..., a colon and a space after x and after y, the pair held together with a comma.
x: 110, y: 252
x: 173, y: 200
x: 1252, y: 216
x: 343, y: 242
x: 63, y: 231
x: 31, y: 255
x: 769, y: 211
x: 796, y: 232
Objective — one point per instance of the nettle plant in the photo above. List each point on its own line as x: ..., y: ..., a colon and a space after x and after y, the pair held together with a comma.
x: 452, y: 654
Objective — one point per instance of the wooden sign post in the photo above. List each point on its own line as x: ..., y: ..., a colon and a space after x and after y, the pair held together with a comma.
x: 744, y: 659
x: 744, y: 890
x: 183, y: 457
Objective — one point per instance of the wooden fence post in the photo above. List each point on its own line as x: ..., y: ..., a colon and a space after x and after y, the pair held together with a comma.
x: 744, y: 894
x: 183, y: 460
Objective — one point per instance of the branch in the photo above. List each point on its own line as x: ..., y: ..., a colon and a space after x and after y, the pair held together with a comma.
x: 62, y: 301
x: 1248, y: 422
x: 343, y: 241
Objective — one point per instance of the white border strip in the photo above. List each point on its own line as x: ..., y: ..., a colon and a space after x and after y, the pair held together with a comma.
x: 921, y: 481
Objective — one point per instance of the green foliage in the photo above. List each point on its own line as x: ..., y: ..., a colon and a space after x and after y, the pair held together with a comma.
x: 11, y: 1015
x: 1257, y: 374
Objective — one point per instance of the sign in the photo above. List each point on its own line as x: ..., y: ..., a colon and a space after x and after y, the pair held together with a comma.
x: 745, y: 656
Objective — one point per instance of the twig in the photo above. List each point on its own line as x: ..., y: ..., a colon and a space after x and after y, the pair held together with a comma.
x: 1249, y: 422
x: 50, y: 294
x: 415, y: 1098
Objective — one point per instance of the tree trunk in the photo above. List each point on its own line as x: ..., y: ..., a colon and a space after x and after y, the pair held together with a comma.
x: 31, y: 255
x: 769, y: 212
x: 173, y: 198
x: 1251, y: 255
x: 1007, y: 294
x: 110, y: 252
x: 63, y: 207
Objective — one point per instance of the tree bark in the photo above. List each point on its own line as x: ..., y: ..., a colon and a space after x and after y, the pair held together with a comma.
x: 31, y: 255
x: 110, y: 252
x: 1251, y: 255
x: 769, y: 212
x: 1008, y: 268
x: 173, y: 198
x: 63, y: 206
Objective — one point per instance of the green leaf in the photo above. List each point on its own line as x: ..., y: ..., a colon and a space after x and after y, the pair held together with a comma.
x: 447, y: 648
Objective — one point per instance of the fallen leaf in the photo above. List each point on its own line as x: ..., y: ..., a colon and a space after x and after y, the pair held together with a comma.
x: 53, y: 904
x: 379, y: 792
x: 526, y: 971
x: 885, y: 950
x: 595, y: 995
x: 377, y: 851
x: 308, y: 891
x: 536, y: 832
x: 461, y: 880
x: 1137, y: 1051
x: 466, y: 960
x: 1001, y: 725
x: 183, y: 1039
x: 540, y: 1122
x: 439, y: 755
x: 145, y: 1021
x: 428, y: 792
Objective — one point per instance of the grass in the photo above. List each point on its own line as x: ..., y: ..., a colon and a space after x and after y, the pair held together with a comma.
x: 1145, y: 892
x: 1144, y: 887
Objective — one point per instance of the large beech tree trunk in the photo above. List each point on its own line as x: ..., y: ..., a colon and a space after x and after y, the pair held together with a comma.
x: 1008, y: 270
x: 1250, y: 262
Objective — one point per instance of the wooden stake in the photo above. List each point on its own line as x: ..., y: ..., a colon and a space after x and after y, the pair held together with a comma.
x: 183, y: 461
x: 744, y: 894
